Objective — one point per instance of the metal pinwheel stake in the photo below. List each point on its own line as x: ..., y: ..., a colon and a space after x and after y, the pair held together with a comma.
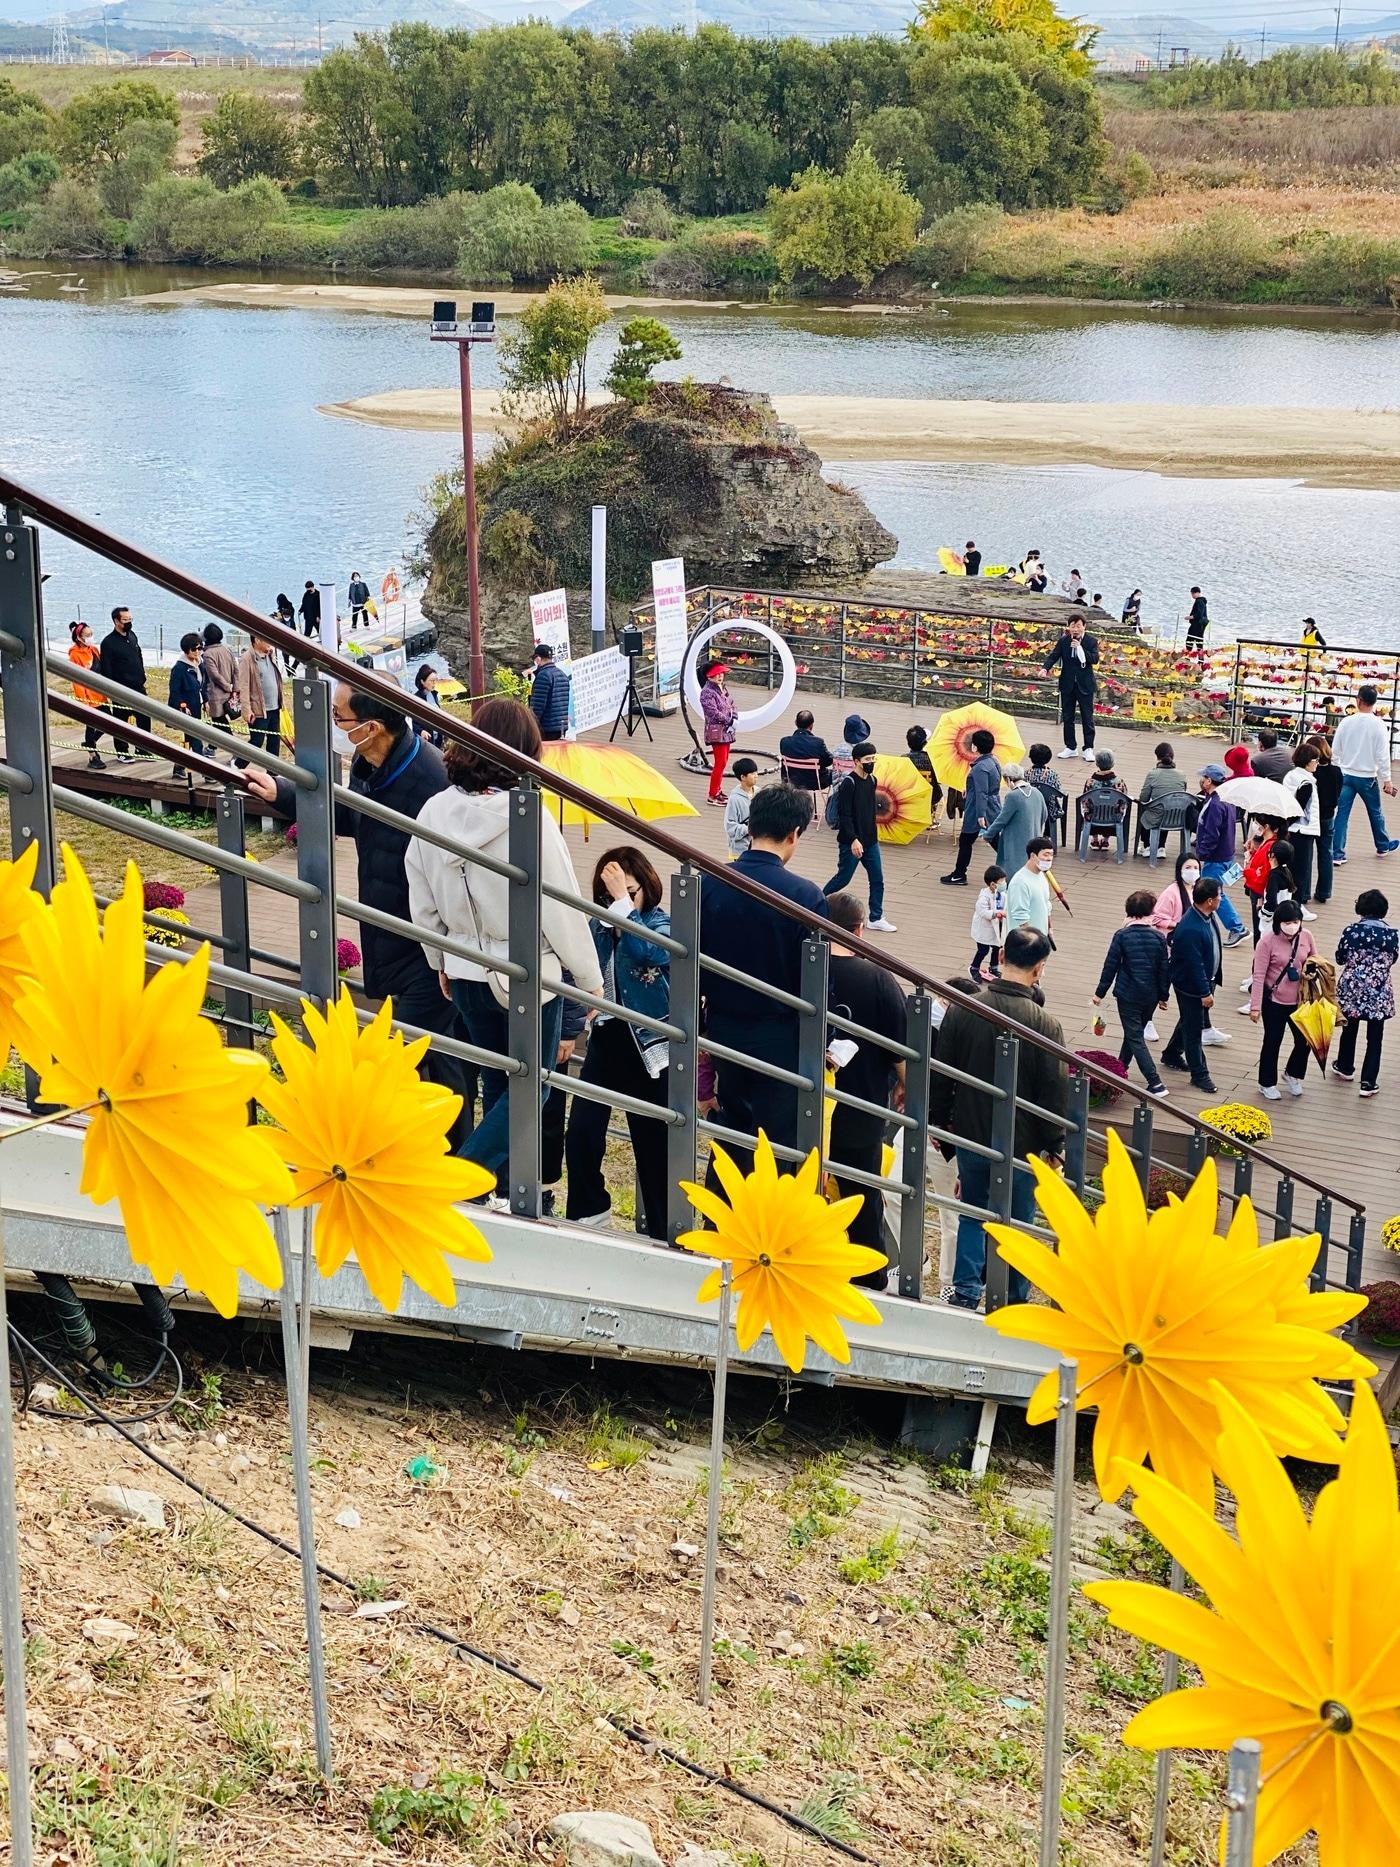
x: 12, y: 1612
x: 1057, y: 1631
x: 1171, y: 1678
x: 707, y: 1611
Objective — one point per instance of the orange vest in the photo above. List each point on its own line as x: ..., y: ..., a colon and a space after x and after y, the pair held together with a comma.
x: 84, y: 655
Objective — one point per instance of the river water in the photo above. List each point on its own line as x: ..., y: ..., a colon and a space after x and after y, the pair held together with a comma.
x: 193, y: 428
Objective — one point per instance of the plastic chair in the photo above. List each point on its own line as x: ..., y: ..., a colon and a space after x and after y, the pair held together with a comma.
x: 1177, y: 817
x: 1101, y: 809
x: 812, y: 779
x: 1056, y: 812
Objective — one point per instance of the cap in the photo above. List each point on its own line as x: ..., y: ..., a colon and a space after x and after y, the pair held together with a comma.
x: 1216, y: 773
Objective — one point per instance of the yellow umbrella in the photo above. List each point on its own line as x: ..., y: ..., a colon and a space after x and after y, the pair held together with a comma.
x: 903, y: 800
x: 614, y: 773
x: 951, y: 749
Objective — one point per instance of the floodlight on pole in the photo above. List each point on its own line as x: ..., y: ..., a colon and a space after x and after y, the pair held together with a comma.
x: 481, y: 329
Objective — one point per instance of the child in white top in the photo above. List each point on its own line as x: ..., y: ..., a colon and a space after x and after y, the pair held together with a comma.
x: 989, y: 925
x: 736, y: 811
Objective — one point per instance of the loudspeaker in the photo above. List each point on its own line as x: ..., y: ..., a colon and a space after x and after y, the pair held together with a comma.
x: 631, y: 641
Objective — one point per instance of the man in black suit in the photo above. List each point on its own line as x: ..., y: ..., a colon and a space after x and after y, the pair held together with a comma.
x: 1076, y: 654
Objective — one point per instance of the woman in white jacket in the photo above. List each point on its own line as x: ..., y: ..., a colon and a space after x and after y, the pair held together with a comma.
x: 450, y: 895
x: 1301, y: 780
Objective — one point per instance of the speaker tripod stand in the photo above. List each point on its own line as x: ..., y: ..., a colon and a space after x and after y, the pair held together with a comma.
x: 630, y: 710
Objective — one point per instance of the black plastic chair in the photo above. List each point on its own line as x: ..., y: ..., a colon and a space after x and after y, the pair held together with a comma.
x: 1176, y: 816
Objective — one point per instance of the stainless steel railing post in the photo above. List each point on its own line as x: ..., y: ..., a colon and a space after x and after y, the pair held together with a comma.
x: 233, y: 919
x: 311, y: 733
x: 913, y: 1208
x: 684, y: 1013
x: 523, y: 1010
x: 1005, y: 1062
x: 811, y: 1045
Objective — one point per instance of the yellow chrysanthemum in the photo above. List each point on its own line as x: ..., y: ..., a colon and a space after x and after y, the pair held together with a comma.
x: 793, y: 1262
x: 1155, y: 1308
x: 169, y: 1137
x: 1302, y: 1648
x: 20, y: 907
x: 366, y: 1138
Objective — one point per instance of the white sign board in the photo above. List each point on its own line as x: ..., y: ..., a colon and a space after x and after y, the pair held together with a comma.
x: 330, y: 618
x: 599, y: 588
x: 668, y: 593
x: 600, y: 681
x: 549, y: 621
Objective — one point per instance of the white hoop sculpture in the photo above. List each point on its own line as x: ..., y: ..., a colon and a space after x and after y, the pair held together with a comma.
x: 757, y: 717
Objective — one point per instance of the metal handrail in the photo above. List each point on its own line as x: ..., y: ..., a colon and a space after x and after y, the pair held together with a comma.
x: 19, y: 499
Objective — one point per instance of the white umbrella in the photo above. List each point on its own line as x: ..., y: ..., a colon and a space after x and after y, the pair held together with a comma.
x: 1260, y: 797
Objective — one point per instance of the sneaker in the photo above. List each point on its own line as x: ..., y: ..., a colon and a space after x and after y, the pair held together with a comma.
x: 1242, y: 1010
x: 1067, y: 752
x: 547, y: 1203
x: 1272, y: 1093
x: 1204, y: 1084
x: 126, y: 758
x: 971, y: 1303
x: 496, y: 1202
x: 1174, y: 1063
x: 946, y: 1293
x: 718, y: 802
x: 1390, y: 847
x: 1246, y: 985
x: 1337, y: 860
x: 881, y: 926
x: 600, y: 1221
x: 1087, y: 755
x: 1343, y: 1076
x: 1237, y: 939
x: 953, y: 881
x: 1308, y: 914
x: 178, y: 771
x: 1212, y: 1035
x: 976, y: 974
x: 1158, y: 1089
x: 1292, y: 1085
x: 1149, y: 1031
x: 96, y: 764
x: 1367, y: 1090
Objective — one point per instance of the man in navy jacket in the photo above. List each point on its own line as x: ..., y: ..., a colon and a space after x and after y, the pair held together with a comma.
x: 1215, y: 844
x: 1195, y: 973
x: 549, y: 694
x: 1076, y: 655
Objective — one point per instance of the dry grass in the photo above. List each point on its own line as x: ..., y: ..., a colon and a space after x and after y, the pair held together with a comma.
x: 1273, y: 148
x: 880, y: 1663
x: 196, y: 91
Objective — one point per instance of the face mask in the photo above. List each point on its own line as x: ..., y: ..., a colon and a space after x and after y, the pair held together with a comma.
x: 1190, y: 876
x: 1045, y: 862
x: 343, y: 743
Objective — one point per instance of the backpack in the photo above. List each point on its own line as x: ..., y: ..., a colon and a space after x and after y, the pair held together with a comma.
x: 833, y: 808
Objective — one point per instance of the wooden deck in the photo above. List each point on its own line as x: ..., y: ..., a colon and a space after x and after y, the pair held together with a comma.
x: 1328, y: 1133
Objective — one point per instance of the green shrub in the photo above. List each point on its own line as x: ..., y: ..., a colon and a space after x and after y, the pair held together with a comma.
x: 714, y: 262
x: 511, y: 237
x: 142, y: 152
x: 648, y: 215
x: 69, y: 223
x: 1135, y: 174
x: 1219, y: 257
x: 296, y: 243
x: 26, y: 122
x: 408, y: 239
x: 28, y: 178
x: 641, y: 345
x: 833, y: 227
x: 247, y: 136
x: 1344, y: 268
x: 185, y: 218
x: 950, y: 247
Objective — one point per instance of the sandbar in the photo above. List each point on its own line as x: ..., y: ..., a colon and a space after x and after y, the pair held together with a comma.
x: 1358, y: 448
x: 397, y: 301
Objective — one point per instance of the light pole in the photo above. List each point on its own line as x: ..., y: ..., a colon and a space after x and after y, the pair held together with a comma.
x: 481, y: 330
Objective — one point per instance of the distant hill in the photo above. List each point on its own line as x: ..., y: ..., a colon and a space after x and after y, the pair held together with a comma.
x: 1127, y: 37
x: 798, y: 19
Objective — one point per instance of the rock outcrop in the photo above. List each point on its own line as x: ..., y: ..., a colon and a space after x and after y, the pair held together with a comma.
x: 700, y: 472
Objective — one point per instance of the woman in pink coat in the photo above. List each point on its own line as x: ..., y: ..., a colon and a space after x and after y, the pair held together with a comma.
x: 1172, y: 903
x: 717, y: 704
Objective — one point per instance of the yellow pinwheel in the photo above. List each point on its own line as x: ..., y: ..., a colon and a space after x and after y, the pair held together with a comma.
x: 20, y: 907
x: 1155, y: 1308
x: 366, y: 1138
x: 792, y: 1260
x: 1300, y: 1646
x: 169, y: 1137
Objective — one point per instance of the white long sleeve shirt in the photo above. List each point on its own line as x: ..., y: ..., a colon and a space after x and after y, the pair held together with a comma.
x: 1361, y: 746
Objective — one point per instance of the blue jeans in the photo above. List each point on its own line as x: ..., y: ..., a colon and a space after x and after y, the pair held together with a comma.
x: 1369, y: 791
x: 847, y: 863
x: 974, y: 1246
x: 1226, y: 910
x: 486, y: 1024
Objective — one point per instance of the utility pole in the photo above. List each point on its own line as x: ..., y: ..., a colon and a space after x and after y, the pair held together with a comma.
x: 1161, y: 34
x: 320, y: 49
x: 106, y: 42
x: 1263, y: 41
x: 1337, y: 35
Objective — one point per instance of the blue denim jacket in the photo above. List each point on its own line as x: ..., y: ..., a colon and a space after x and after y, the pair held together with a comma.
x: 642, y: 977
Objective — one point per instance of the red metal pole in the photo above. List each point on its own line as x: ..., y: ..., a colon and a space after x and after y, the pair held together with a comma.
x: 477, y: 667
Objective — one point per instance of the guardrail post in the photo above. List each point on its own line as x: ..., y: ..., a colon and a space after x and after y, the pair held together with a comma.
x: 1322, y: 1225
x: 1005, y: 1061
x: 233, y: 918
x: 841, y: 659
x: 1356, y: 1249
x: 1244, y: 1179
x: 811, y: 1046
x: 991, y: 649
x: 914, y: 662
x: 311, y: 736
x: 523, y: 1012
x: 1237, y: 695
x: 680, y: 1082
x: 913, y: 1209
x: 1142, y: 1142
x: 1077, y: 1132
x: 1197, y: 1149
x: 1283, y: 1208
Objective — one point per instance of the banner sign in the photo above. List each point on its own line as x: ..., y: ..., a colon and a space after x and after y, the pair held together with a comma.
x: 668, y: 592
x: 549, y: 620
x: 600, y: 681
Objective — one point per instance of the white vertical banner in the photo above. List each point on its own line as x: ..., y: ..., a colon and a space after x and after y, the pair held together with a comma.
x: 668, y: 597
x: 549, y: 623
x: 330, y: 618
x: 600, y: 576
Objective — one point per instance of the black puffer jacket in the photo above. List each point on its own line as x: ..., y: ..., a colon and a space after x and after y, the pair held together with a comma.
x: 412, y: 773
x: 120, y: 659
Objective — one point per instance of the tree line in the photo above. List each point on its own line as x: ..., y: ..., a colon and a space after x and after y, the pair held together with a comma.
x: 1294, y: 79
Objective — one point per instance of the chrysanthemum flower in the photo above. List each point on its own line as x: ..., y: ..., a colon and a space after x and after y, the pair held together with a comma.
x: 792, y: 1260
x: 1300, y: 1646
x: 168, y: 1137
x: 366, y: 1138
x: 20, y: 907
x: 1155, y: 1308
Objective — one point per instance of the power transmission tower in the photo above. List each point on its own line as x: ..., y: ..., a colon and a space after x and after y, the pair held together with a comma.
x: 1161, y: 34
x: 1263, y: 42
x: 60, y: 53
x: 1337, y: 35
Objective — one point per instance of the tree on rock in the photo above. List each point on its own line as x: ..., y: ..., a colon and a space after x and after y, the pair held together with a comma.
x: 546, y: 362
x: 643, y: 344
x: 846, y: 226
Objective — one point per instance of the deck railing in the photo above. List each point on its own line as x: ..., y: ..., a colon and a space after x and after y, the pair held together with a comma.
x: 246, y: 976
